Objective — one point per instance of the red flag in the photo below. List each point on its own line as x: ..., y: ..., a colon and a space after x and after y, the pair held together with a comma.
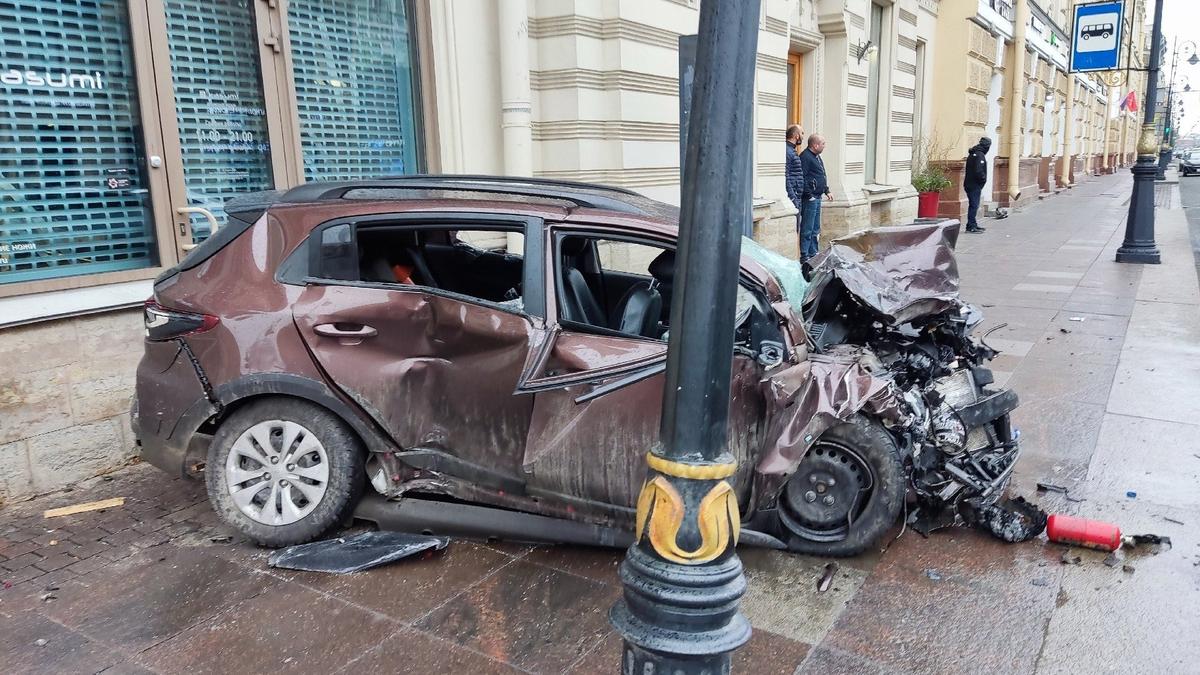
x: 1130, y: 102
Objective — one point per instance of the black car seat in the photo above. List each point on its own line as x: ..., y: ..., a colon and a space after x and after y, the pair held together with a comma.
x: 639, y: 310
x: 579, y: 302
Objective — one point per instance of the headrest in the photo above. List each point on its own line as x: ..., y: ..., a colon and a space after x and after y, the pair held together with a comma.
x: 573, y: 246
x: 663, y: 267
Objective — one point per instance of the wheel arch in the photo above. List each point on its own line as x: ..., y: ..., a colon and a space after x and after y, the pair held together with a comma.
x: 203, y: 418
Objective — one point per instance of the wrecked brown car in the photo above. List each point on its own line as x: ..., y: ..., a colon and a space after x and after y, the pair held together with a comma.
x: 487, y: 354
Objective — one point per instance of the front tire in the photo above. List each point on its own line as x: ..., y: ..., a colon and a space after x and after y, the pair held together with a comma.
x: 284, y: 471
x: 846, y: 493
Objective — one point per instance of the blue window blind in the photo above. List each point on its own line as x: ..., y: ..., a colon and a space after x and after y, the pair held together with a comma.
x: 72, y: 191
x: 218, y: 102
x: 354, y: 67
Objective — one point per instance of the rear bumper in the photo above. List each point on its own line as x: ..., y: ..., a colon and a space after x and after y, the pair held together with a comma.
x: 167, y: 451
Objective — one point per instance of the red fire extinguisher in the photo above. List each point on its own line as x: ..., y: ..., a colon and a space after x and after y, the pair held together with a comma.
x: 1080, y: 532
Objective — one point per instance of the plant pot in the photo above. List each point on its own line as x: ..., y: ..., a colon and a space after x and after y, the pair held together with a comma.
x: 927, y: 204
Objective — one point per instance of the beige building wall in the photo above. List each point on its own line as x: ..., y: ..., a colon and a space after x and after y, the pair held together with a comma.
x: 603, y: 103
x: 1060, y: 119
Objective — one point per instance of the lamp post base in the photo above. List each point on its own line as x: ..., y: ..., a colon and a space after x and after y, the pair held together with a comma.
x: 679, y: 618
x: 1139, y: 246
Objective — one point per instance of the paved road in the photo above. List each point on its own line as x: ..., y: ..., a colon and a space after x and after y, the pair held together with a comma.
x: 1103, y: 355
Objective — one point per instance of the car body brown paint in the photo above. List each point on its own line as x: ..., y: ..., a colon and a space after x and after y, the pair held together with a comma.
x: 445, y: 374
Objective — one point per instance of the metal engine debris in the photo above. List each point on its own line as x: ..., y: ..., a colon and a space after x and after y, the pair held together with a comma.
x: 893, y: 294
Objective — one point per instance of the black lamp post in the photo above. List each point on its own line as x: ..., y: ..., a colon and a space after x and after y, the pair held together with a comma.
x: 1139, y: 246
x: 682, y: 577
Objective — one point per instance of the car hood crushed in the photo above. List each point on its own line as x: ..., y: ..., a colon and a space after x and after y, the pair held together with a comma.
x: 888, y: 336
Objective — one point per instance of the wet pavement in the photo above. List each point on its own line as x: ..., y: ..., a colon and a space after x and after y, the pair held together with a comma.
x: 1104, y: 356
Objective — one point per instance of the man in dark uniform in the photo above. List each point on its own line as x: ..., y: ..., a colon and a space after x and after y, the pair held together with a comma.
x: 974, y: 180
x: 793, y: 172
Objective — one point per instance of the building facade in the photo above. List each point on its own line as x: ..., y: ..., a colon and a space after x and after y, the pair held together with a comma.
x: 1049, y: 128
x: 127, y: 123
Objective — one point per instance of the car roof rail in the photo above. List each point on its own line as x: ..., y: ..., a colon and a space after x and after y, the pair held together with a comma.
x: 584, y: 195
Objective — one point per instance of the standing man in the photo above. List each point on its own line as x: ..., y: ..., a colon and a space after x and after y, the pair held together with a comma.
x: 975, y: 179
x: 794, y: 177
x: 816, y: 185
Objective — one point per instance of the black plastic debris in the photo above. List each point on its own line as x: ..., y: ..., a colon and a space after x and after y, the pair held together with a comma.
x: 1050, y: 487
x: 346, y: 555
x: 1011, y: 520
x: 1136, y: 540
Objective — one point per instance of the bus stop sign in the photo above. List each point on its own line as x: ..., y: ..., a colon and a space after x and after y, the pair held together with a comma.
x: 1096, y: 39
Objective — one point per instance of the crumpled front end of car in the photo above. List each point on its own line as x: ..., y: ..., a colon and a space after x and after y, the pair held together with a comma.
x: 890, y: 339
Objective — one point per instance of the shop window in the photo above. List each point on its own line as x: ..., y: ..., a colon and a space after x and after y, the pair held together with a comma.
x: 73, y: 197
x: 219, y: 104
x: 354, y: 66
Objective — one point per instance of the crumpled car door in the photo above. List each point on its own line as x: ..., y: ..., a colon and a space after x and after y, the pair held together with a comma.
x: 597, y: 412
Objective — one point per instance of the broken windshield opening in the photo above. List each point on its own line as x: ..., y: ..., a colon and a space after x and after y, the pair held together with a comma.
x: 786, y: 271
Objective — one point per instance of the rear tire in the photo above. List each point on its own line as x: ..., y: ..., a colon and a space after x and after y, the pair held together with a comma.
x: 284, y: 471
x: 868, y: 487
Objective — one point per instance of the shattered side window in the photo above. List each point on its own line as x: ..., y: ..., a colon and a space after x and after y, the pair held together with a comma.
x: 786, y: 271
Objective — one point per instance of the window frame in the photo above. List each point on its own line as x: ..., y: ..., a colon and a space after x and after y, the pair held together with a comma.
x: 533, y: 291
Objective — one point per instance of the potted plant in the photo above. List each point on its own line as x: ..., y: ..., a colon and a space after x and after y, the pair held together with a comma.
x: 929, y: 183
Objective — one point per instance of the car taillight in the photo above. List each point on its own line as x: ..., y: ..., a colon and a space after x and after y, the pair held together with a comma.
x: 163, y: 323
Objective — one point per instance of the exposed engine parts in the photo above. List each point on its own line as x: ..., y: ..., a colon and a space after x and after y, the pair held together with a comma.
x: 959, y: 444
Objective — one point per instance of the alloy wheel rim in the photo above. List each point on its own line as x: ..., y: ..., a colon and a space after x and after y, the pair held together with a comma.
x: 277, y: 472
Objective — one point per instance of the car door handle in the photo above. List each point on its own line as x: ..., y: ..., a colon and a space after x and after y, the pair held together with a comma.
x: 344, y: 330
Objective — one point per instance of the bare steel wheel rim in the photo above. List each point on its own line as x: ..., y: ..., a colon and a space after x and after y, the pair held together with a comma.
x: 277, y: 472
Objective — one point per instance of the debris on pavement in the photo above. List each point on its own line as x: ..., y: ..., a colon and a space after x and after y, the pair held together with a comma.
x: 1172, y: 520
x: 41, y: 642
x: 827, y: 578
x: 1040, y: 582
x: 933, y: 575
x: 1131, y: 494
x: 1078, y: 319
x: 221, y: 539
x: 1135, y: 540
x: 1064, y: 331
x: 1128, y: 569
x: 1069, y: 558
x: 83, y: 508
x: 1049, y: 487
x: 346, y: 555
x: 1113, y: 559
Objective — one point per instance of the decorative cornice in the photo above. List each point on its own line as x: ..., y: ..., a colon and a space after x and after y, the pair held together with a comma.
x: 772, y: 63
x: 856, y: 110
x: 906, y: 67
x: 772, y: 100
x: 854, y: 167
x: 856, y: 139
x: 771, y: 169
x: 777, y: 26
x: 902, y: 141
x: 636, y: 177
x: 856, y: 80
x: 602, y: 29
x: 769, y: 134
x: 605, y: 80
x: 902, y: 117
x: 906, y: 42
x: 856, y: 20
x: 908, y: 17
x: 563, y: 130
x: 903, y: 92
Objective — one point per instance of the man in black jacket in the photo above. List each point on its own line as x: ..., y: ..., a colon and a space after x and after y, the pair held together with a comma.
x: 793, y: 172
x: 974, y: 179
x: 816, y: 186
